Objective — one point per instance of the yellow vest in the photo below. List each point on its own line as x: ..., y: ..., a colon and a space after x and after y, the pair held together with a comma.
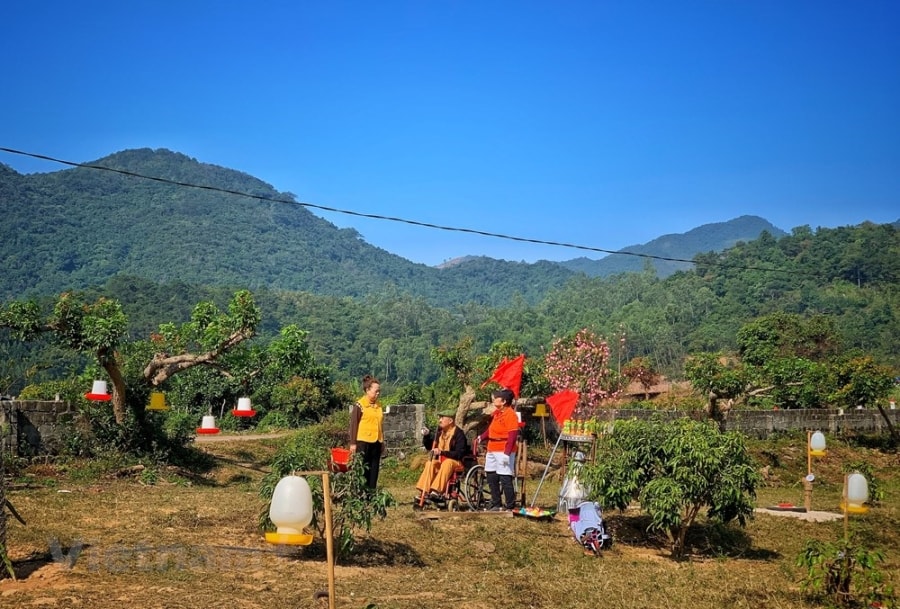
x: 370, y: 428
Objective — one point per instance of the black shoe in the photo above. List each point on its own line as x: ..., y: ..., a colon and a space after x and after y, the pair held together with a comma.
x: 496, y: 508
x: 435, y: 496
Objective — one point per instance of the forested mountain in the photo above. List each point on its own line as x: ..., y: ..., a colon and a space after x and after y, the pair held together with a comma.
x: 713, y: 237
x: 80, y: 227
x: 851, y: 274
x: 160, y: 248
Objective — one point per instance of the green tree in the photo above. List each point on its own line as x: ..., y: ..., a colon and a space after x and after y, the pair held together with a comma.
x: 98, y: 329
x: 792, y: 382
x: 861, y: 381
x: 716, y: 376
x: 675, y: 470
x: 787, y: 335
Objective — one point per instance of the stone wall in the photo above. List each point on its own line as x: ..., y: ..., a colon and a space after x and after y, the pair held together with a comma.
x: 402, y: 423
x: 762, y: 424
x: 31, y: 428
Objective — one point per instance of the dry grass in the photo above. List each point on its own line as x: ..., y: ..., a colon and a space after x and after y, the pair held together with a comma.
x: 194, y: 544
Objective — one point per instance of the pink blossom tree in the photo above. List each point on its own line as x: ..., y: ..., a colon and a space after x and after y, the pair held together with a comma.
x: 582, y: 363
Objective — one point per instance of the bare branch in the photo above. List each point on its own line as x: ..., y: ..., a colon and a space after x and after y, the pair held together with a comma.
x: 162, y: 366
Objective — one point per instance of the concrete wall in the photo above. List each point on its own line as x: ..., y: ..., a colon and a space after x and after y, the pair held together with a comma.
x: 764, y: 423
x: 30, y: 428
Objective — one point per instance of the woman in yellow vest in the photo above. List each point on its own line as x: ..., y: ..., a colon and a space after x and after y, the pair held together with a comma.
x: 366, y: 430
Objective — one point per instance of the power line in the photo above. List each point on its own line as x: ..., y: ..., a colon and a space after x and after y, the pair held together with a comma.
x: 358, y: 214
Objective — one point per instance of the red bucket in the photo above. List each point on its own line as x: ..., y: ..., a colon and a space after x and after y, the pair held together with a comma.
x: 340, y: 457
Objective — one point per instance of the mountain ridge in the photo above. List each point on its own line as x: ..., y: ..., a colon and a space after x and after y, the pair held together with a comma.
x: 715, y: 236
x: 79, y: 227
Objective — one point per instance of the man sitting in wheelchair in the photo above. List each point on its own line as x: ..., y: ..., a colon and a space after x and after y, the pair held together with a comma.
x: 448, y: 448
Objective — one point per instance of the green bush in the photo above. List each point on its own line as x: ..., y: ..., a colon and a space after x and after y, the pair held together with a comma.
x: 844, y: 574
x: 675, y: 469
x: 354, y: 506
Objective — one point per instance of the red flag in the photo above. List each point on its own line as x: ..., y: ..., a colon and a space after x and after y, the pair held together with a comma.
x: 562, y: 405
x: 509, y: 374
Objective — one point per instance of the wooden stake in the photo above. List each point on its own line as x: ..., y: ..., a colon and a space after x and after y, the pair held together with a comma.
x: 807, y: 485
x: 846, y: 507
x: 329, y: 537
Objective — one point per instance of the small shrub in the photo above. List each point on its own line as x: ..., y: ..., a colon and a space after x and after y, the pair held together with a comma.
x: 273, y: 420
x: 674, y: 470
x: 354, y: 506
x: 844, y: 574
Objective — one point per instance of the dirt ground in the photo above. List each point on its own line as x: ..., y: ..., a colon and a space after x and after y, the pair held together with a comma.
x: 174, y: 541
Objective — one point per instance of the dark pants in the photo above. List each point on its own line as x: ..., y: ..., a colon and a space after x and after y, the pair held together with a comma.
x: 370, y: 452
x: 495, y: 483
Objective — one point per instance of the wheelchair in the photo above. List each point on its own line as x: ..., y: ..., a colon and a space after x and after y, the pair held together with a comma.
x: 457, y: 491
x: 475, y: 488
x: 467, y: 486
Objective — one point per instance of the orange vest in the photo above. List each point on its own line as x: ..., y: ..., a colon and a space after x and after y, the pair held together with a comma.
x: 503, y: 422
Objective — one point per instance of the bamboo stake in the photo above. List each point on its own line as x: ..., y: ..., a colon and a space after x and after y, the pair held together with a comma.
x: 329, y: 537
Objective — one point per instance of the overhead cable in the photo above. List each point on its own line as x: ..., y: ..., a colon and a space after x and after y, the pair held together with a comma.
x: 359, y: 214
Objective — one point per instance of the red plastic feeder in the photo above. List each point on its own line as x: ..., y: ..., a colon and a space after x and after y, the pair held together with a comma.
x: 340, y: 458
x: 243, y: 408
x: 208, y: 425
x: 98, y: 392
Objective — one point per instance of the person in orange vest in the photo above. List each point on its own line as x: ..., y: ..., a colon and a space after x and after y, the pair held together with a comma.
x: 367, y: 431
x: 501, y: 436
x: 448, y: 447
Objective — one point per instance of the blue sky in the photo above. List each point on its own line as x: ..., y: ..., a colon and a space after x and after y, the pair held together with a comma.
x: 604, y: 124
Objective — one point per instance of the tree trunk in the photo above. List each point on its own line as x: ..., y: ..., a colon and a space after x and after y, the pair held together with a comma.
x: 465, y: 402
x: 5, y: 567
x: 890, y: 426
x: 118, y: 393
x: 714, y: 412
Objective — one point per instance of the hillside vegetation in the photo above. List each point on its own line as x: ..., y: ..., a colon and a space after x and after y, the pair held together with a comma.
x: 160, y: 248
x: 79, y: 227
x: 713, y: 237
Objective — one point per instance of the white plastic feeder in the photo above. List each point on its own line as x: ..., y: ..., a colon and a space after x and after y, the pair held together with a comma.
x: 857, y: 494
x: 244, y: 409
x: 98, y: 392
x: 291, y: 512
x: 817, y: 444
x: 208, y: 425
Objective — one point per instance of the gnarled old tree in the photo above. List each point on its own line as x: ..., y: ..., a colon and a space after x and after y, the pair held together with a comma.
x: 468, y: 372
x: 97, y: 329
x: 458, y: 361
